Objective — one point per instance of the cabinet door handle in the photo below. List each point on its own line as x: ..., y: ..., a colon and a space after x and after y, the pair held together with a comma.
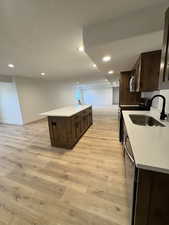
x: 126, y: 150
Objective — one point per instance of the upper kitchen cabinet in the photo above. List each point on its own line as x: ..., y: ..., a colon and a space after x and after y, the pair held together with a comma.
x: 146, y: 71
x: 164, y: 68
x: 125, y: 96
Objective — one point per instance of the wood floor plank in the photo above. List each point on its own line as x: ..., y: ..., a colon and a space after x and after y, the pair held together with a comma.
x: 113, y: 212
x: 43, y: 185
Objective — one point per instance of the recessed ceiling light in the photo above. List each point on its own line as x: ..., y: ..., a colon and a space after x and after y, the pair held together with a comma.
x: 94, y: 65
x: 111, y: 72
x: 106, y: 58
x: 42, y: 74
x: 81, y: 49
x: 11, y: 66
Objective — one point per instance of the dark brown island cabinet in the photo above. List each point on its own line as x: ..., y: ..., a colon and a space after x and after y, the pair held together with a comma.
x: 147, y: 191
x: 68, y: 124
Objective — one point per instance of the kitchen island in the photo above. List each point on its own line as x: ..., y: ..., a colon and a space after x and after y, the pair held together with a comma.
x: 68, y: 124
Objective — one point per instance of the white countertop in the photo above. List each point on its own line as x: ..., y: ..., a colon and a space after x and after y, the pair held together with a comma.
x: 150, y: 145
x: 66, y: 111
x: 130, y: 105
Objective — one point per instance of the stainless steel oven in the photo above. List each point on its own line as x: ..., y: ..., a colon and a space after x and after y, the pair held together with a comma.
x: 131, y: 174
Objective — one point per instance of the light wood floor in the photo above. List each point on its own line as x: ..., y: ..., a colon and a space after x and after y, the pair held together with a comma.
x: 41, y: 185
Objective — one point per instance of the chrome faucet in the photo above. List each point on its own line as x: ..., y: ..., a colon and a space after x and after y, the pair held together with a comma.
x: 163, y: 115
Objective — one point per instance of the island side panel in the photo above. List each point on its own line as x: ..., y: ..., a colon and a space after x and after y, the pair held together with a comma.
x: 51, y: 134
x: 66, y: 131
x: 58, y: 129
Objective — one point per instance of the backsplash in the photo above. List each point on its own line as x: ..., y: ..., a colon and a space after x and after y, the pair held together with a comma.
x: 157, y: 103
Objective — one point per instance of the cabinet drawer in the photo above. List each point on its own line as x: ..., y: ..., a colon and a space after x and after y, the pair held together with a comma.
x: 76, y: 117
x: 85, y: 112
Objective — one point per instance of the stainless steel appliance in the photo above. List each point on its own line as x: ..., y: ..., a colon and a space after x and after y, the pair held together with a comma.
x: 131, y: 175
x: 132, y: 84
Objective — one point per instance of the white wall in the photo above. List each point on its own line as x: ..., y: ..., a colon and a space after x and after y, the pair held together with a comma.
x: 165, y: 93
x: 60, y: 93
x: 157, y: 103
x: 32, y: 97
x: 6, y: 78
x: 98, y: 96
x: 116, y: 95
x: 39, y: 95
x: 9, y: 105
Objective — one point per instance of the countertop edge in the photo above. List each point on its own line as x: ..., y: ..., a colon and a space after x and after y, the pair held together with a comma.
x: 47, y: 114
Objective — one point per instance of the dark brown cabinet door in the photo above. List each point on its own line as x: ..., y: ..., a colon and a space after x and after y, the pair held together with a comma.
x: 159, y: 200
x: 76, y: 126
x: 147, y: 70
x: 90, y: 118
x: 77, y: 130
x: 152, y: 198
x: 164, y: 68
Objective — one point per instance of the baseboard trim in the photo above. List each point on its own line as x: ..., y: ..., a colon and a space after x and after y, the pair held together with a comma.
x: 35, y: 121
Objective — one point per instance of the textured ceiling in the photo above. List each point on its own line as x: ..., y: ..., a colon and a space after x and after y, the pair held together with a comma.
x: 125, y: 38
x: 43, y: 35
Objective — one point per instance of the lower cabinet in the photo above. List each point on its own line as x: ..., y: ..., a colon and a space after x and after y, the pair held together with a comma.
x: 66, y: 131
x: 76, y: 126
x: 147, y: 191
x: 152, y: 198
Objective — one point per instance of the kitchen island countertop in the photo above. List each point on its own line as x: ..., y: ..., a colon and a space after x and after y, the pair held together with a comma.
x: 67, y: 111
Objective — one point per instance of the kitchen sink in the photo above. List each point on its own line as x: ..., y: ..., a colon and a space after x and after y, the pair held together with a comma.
x: 144, y: 120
